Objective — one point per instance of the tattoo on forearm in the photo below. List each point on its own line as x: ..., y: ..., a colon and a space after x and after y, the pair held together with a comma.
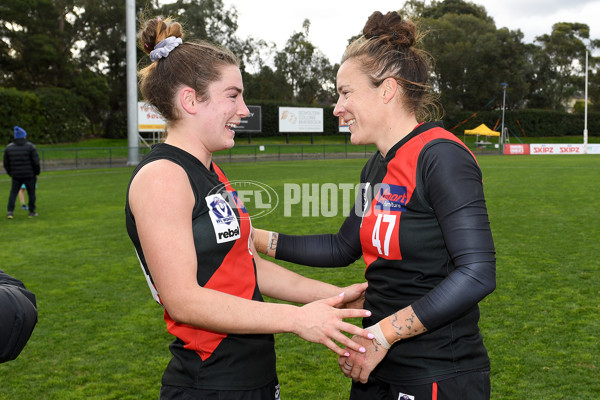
x: 272, y: 245
x: 406, y: 325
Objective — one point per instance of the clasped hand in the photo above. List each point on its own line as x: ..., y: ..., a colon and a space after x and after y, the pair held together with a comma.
x: 359, y: 365
x: 354, y: 296
x: 322, y: 322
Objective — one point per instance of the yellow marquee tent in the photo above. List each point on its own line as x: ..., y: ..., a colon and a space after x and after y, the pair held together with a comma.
x: 482, y: 130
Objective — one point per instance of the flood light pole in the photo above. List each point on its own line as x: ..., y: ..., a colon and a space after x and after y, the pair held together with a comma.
x: 504, y: 85
x: 585, y: 130
x: 132, y: 124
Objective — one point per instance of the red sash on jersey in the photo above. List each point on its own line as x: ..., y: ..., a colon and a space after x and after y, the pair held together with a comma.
x: 235, y: 276
x: 379, y: 232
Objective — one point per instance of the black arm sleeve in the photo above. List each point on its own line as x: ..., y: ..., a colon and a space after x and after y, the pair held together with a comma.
x: 18, y: 316
x: 453, y: 187
x: 327, y: 250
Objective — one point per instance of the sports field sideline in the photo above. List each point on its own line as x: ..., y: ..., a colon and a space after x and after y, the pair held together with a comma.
x: 101, y: 336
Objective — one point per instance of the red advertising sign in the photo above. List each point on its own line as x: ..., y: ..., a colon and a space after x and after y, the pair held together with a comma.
x: 516, y: 149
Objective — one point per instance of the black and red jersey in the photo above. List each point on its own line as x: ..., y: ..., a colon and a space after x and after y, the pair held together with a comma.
x: 221, y: 228
x: 421, y: 225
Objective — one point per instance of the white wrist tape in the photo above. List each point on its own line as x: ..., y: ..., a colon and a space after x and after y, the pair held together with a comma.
x: 379, y: 336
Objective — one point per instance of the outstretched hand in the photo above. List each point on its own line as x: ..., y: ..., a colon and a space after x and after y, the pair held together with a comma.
x: 321, y: 322
x: 359, y: 366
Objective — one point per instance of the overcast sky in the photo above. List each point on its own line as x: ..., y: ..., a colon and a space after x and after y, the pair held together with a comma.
x: 333, y: 22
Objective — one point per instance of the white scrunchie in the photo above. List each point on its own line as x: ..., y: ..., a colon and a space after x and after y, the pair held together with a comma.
x: 164, y: 47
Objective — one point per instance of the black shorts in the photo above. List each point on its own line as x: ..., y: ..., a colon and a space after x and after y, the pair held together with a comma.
x: 268, y: 392
x: 468, y: 386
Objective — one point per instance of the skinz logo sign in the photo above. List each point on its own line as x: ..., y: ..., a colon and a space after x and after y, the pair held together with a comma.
x: 223, y: 219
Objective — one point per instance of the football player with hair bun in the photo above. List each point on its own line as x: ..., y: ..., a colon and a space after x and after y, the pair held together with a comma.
x: 423, y: 231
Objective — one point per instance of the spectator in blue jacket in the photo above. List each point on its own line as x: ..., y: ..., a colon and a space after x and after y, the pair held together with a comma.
x: 22, y: 164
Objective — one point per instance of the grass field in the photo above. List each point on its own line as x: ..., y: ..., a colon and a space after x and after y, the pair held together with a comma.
x: 101, y: 336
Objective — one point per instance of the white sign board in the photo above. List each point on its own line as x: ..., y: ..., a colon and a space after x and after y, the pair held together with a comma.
x: 342, y: 125
x: 297, y: 119
x: 593, y: 148
x: 148, y: 119
x: 556, y: 148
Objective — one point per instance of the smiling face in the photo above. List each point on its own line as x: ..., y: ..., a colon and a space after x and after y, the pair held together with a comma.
x: 358, y: 104
x: 223, y: 109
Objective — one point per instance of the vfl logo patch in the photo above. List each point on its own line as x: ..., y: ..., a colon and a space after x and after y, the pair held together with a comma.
x: 223, y: 219
x: 391, y: 198
x: 403, y: 396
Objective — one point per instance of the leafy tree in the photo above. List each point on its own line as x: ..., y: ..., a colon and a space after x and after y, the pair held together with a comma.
x: 44, y: 53
x: 35, y: 49
x: 438, y: 9
x: 561, y: 58
x: 21, y: 108
x: 594, y: 81
x: 64, y: 110
x: 306, y: 69
x: 266, y: 84
x: 472, y: 58
x: 93, y: 91
x: 102, y: 49
x: 413, y: 9
x: 205, y: 19
x: 255, y: 53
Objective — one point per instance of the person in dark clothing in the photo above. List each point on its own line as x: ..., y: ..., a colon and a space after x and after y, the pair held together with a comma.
x: 18, y: 316
x: 420, y: 223
x: 22, y: 164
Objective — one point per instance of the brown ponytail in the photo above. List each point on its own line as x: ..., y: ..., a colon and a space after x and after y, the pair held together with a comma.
x: 193, y: 64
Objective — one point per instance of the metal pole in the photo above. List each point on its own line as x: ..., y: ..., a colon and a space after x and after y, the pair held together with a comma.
x: 502, y: 138
x: 585, y: 130
x: 132, y: 124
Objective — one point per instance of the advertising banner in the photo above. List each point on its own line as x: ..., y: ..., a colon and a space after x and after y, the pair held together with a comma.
x: 516, y: 149
x: 253, y: 122
x: 148, y: 119
x: 571, y: 149
x: 543, y: 149
x: 593, y: 148
x: 556, y: 149
x: 297, y: 119
x: 343, y: 128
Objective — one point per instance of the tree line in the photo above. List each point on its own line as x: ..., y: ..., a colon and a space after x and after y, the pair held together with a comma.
x: 66, y: 59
